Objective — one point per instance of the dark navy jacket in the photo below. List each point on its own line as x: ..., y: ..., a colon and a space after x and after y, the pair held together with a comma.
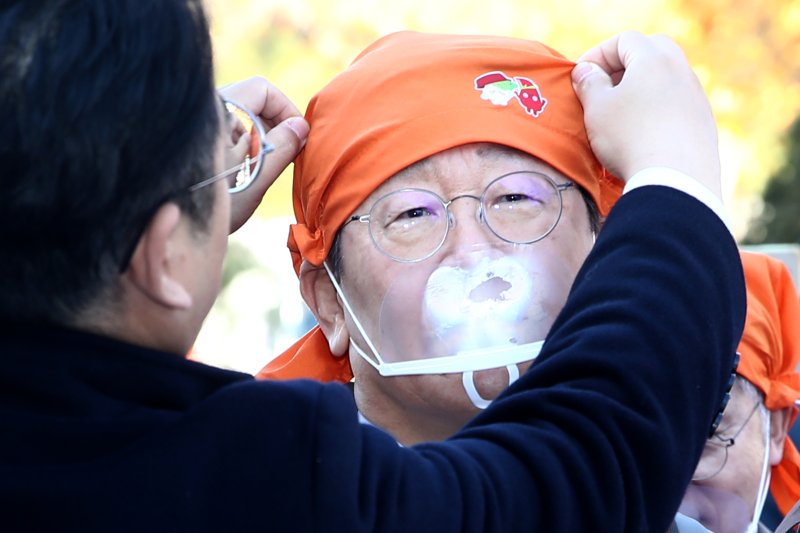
x: 602, y: 434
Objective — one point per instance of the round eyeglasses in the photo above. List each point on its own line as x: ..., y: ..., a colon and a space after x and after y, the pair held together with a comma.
x: 246, y: 165
x: 715, y: 452
x: 411, y: 225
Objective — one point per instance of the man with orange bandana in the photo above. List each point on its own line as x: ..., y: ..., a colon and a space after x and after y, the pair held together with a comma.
x: 445, y: 201
x: 750, y: 453
x: 119, y: 191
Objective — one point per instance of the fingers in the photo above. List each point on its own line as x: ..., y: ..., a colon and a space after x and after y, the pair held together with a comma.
x: 286, y: 140
x: 622, y: 51
x: 236, y: 152
x: 285, y: 135
x: 605, y: 55
x: 589, y: 79
x: 644, y: 107
x: 263, y: 99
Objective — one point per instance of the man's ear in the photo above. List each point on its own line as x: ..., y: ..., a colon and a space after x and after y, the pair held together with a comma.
x: 778, y: 430
x: 153, y: 267
x: 320, y: 296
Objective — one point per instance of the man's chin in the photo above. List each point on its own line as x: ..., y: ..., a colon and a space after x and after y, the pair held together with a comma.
x: 491, y: 382
x: 717, y: 510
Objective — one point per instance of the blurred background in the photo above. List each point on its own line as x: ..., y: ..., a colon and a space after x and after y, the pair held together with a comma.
x: 745, y: 52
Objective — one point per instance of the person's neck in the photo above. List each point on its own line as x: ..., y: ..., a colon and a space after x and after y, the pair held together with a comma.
x: 407, y: 425
x: 141, y: 325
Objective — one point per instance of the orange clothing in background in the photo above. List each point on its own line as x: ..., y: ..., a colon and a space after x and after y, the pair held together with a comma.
x: 770, y: 350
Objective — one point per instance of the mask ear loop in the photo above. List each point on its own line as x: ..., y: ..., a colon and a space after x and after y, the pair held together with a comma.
x: 468, y: 380
x: 379, y: 360
x: 766, y: 474
x: 390, y: 369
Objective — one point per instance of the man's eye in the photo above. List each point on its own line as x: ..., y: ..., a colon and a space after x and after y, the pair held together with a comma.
x: 516, y: 200
x: 416, y: 220
x: 415, y: 212
x: 514, y: 197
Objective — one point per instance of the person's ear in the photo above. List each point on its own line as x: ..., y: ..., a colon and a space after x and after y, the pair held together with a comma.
x: 778, y: 429
x: 153, y: 267
x: 320, y: 296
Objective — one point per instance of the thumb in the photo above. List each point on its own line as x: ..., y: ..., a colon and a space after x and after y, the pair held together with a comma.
x: 287, y: 139
x: 588, y: 79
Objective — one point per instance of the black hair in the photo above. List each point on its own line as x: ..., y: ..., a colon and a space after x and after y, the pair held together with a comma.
x: 107, y: 110
x: 595, y: 222
x: 593, y: 212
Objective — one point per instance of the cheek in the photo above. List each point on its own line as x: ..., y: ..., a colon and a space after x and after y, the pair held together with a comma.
x: 734, y: 488
x: 572, y: 238
x: 366, y: 275
x: 560, y: 256
x: 745, y: 464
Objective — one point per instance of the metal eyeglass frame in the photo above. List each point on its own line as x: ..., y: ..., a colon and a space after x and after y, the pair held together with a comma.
x: 726, y: 443
x: 264, y: 149
x: 559, y: 187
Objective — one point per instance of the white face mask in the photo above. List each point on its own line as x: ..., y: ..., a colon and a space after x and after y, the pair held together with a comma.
x: 467, y: 317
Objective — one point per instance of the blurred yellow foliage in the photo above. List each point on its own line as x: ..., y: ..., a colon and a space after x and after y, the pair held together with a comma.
x: 745, y: 52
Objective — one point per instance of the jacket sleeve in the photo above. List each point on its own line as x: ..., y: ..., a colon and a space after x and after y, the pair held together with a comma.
x: 604, y: 430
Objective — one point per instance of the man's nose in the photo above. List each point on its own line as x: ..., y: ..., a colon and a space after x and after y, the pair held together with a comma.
x: 466, y: 226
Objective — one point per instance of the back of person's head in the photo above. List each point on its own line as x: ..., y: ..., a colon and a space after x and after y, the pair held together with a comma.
x: 107, y: 110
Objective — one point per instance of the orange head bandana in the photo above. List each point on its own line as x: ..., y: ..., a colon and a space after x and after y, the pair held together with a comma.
x: 770, y: 350
x: 409, y: 96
